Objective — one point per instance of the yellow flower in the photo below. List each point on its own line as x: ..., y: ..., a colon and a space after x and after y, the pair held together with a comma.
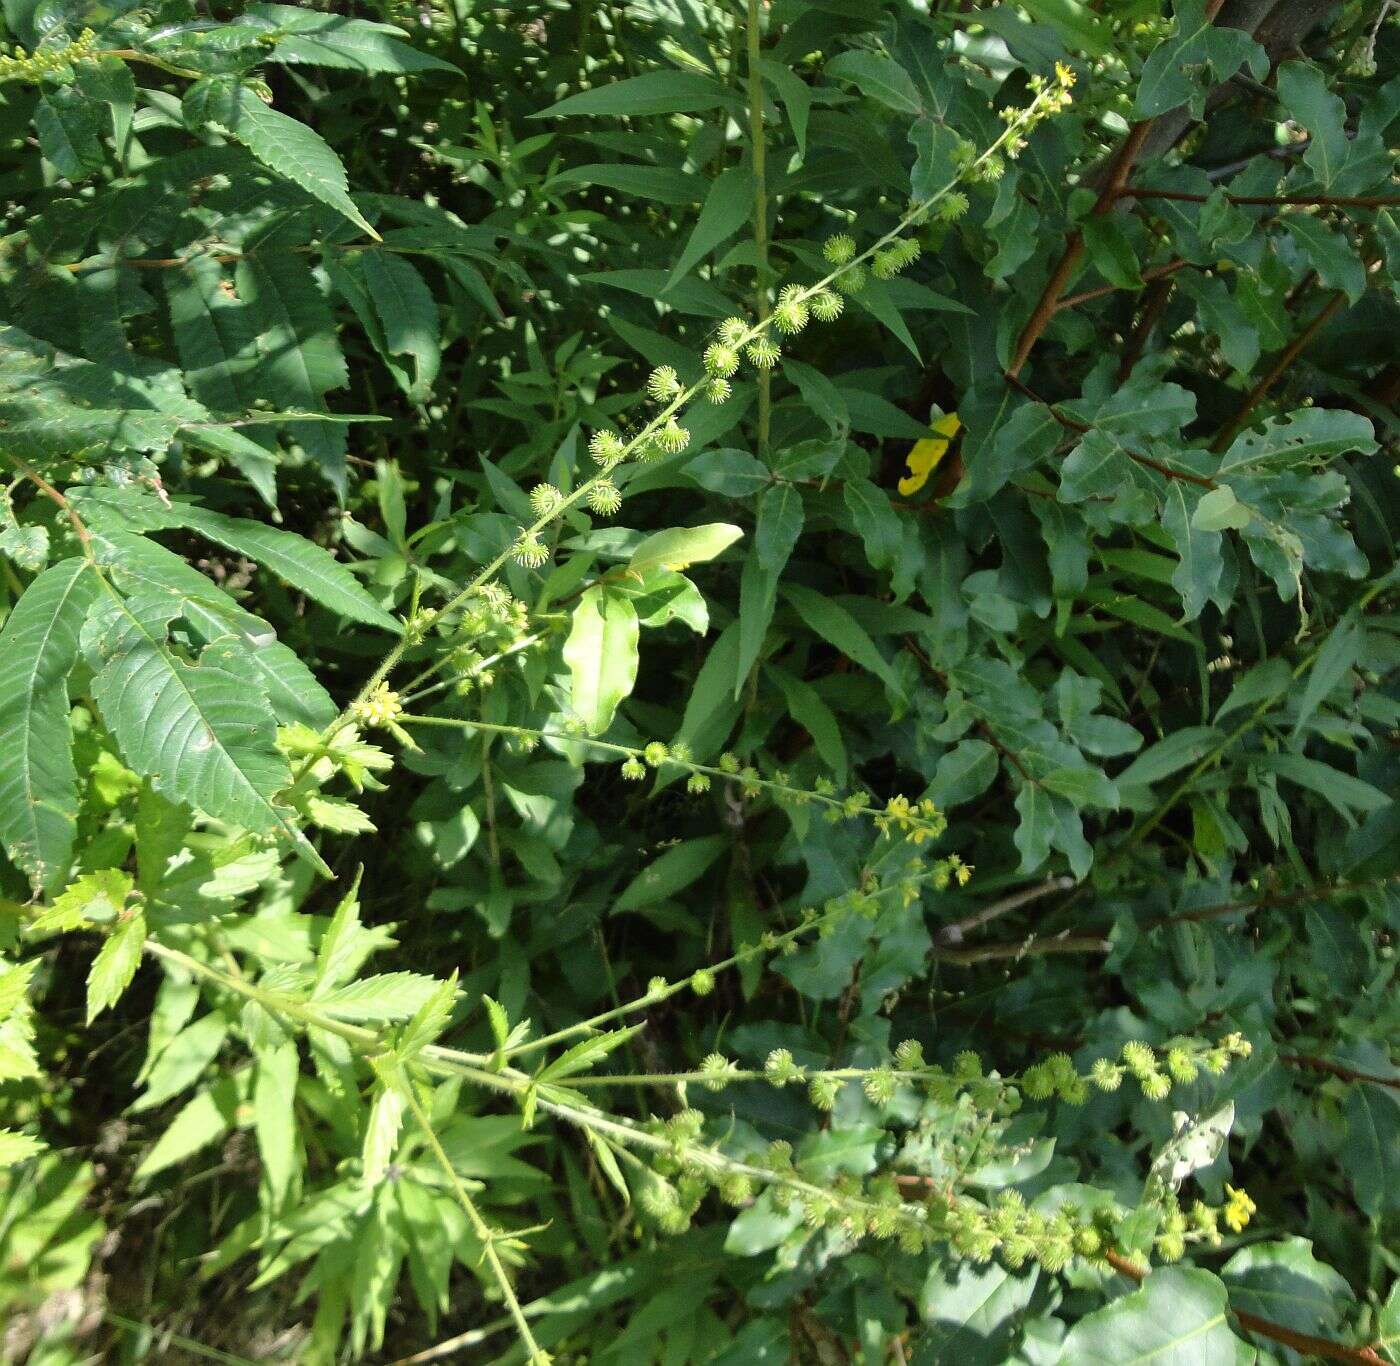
x: 1238, y: 1209
x: 382, y: 707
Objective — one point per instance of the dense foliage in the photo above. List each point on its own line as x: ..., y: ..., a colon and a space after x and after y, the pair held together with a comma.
x: 699, y: 682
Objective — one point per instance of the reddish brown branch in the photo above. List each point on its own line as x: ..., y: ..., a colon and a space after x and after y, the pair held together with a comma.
x: 1153, y: 306
x: 1344, y: 201
x: 1030, y: 948
x: 1074, y: 425
x: 1286, y: 357
x: 1266, y: 1328
x: 1098, y: 292
x: 1049, y: 301
x: 953, y: 933
x: 1321, y: 893
x: 1337, y: 1069
x: 1120, y: 168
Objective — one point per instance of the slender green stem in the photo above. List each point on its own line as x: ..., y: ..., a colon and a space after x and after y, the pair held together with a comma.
x: 759, y: 154
x: 480, y: 1227
x: 746, y: 778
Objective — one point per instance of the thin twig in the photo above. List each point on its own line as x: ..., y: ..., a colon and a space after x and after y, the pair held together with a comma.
x: 1148, y: 275
x: 1337, y: 1069
x: 1347, y: 201
x: 954, y: 933
x: 1285, y: 359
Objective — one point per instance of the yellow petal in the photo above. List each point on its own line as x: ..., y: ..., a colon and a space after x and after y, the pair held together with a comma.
x: 924, y: 456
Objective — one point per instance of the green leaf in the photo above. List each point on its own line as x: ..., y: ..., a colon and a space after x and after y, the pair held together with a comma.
x: 671, y: 872
x: 780, y: 519
x: 301, y: 563
x: 680, y: 547
x: 1178, y: 1318
x: 1220, y: 510
x: 1110, y: 251
x: 735, y: 474
x: 879, y: 77
x: 1330, y: 253
x: 1036, y: 827
x: 583, y: 1055
x: 1341, y: 791
x: 1198, y: 574
x: 820, y: 394
x: 1340, y: 653
x: 354, y: 45
x: 834, y: 624
x: 407, y: 314
x: 115, y: 964
x: 388, y: 996
x: 758, y: 600
x: 69, y: 125
x: 199, y: 1122
x: 965, y: 772
x: 274, y: 1118
x: 1284, y: 1282
x: 1372, y: 1148
x: 665, y: 184
x: 430, y: 1019
x: 972, y: 1312
x: 381, y: 1135
x: 1182, y: 68
x: 38, y: 784
x: 727, y: 208
x: 284, y: 146
x: 656, y: 92
x: 95, y: 898
x: 1303, y: 92
x: 183, y: 1061
x: 601, y: 653
x: 299, y: 358
x: 16, y: 1148
x: 806, y: 707
x: 203, y: 735
x: 1169, y: 755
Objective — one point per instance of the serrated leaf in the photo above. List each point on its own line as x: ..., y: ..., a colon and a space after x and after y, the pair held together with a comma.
x: 429, y: 1020
x: 381, y: 1135
x: 583, y: 1055
x: 299, y: 358
x: 16, y: 1148
x: 199, y: 1122
x: 283, y: 145
x: 388, y: 996
x: 38, y: 783
x: 203, y: 735
x: 354, y: 45
x: 95, y: 898
x: 407, y: 314
x: 115, y: 965
x: 301, y: 563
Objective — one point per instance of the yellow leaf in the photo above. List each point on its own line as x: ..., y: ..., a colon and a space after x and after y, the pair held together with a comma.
x: 924, y: 456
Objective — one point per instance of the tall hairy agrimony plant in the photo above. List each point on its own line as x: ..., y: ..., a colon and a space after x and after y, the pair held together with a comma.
x: 166, y: 755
